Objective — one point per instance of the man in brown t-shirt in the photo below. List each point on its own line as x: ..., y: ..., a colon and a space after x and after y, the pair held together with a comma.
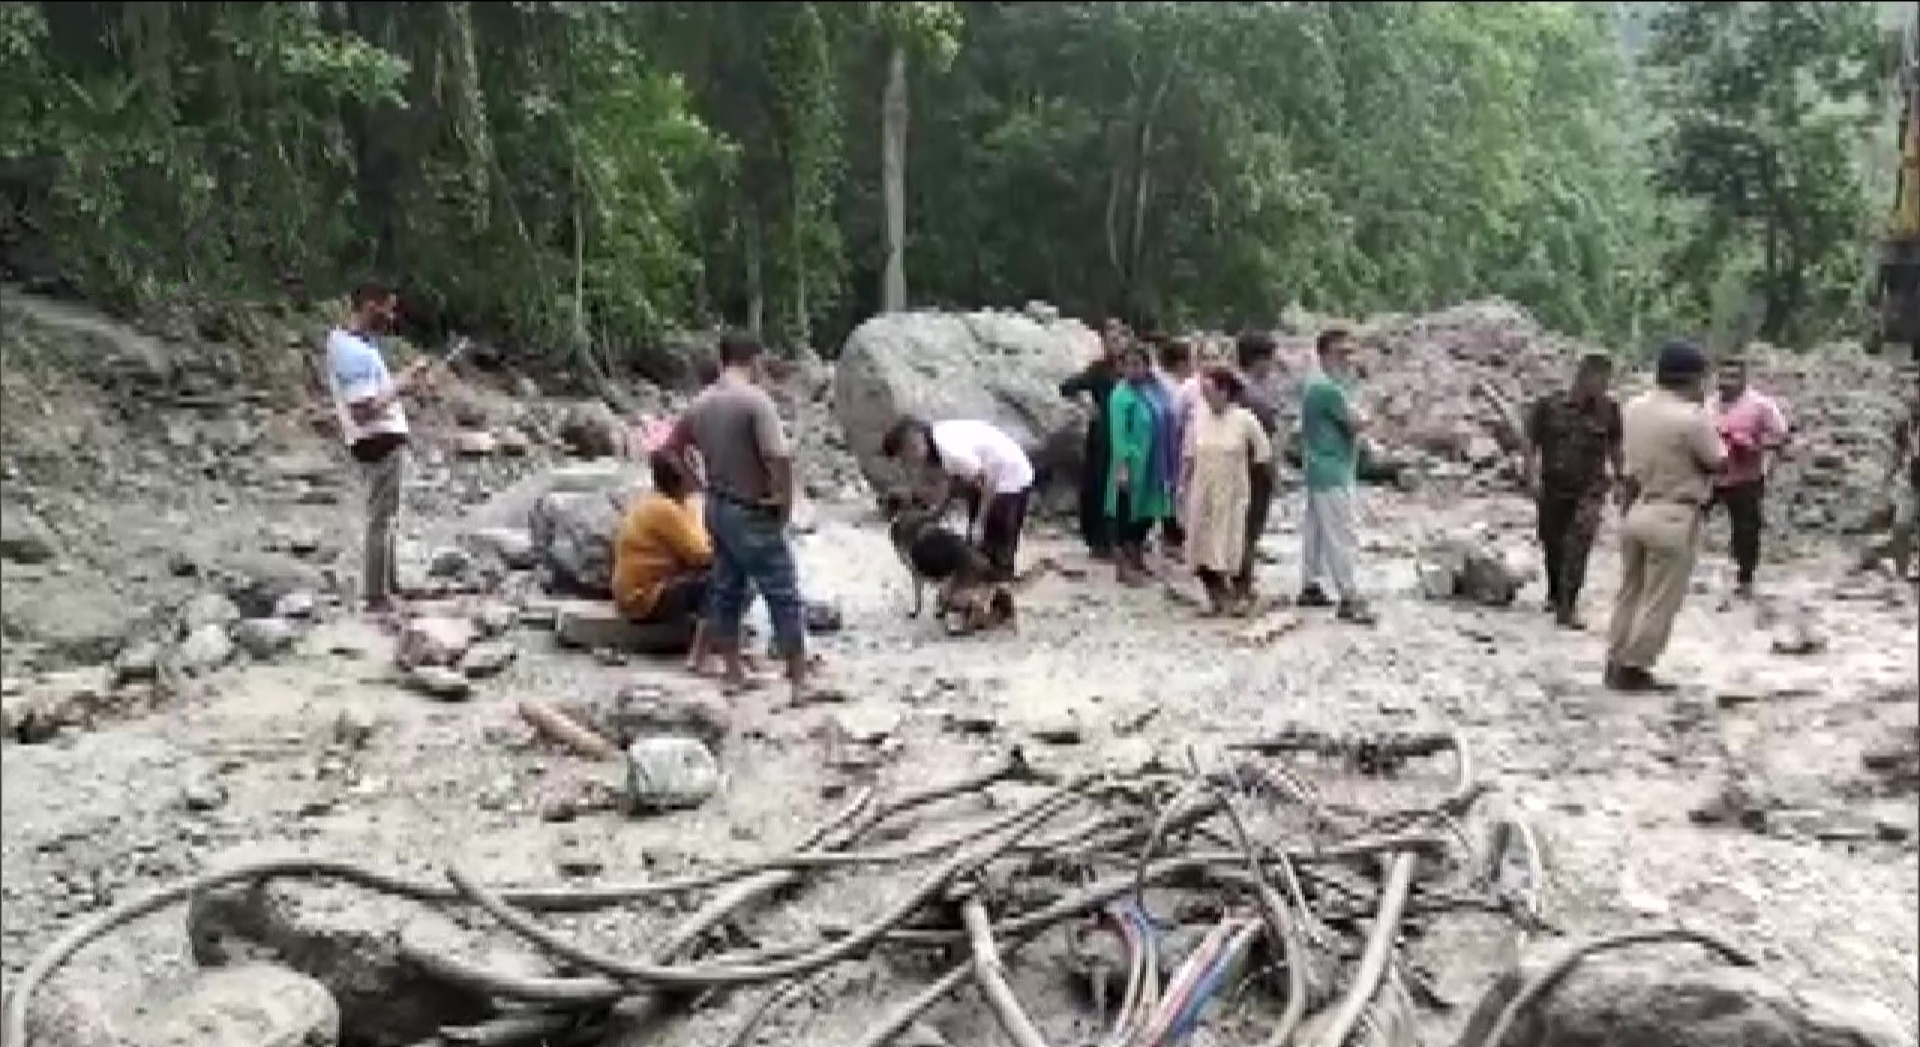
x: 735, y: 426
x: 1672, y: 453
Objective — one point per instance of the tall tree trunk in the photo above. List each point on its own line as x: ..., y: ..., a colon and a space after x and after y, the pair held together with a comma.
x: 801, y: 330
x: 756, y: 276
x: 893, y: 176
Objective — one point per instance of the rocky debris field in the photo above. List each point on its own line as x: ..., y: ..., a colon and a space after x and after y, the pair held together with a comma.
x: 185, y: 693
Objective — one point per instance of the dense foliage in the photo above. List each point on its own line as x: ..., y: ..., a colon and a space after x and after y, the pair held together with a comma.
x: 583, y: 176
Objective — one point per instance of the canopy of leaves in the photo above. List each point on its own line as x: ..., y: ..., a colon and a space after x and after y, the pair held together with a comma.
x: 575, y: 176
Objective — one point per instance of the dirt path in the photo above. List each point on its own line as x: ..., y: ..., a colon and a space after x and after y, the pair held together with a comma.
x: 1610, y: 780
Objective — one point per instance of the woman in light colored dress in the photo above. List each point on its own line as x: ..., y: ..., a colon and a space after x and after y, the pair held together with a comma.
x: 1224, y: 444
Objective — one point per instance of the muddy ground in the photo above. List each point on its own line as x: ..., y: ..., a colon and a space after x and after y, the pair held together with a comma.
x: 1821, y: 878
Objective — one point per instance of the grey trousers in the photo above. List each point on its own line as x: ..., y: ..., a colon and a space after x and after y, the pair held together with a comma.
x: 1328, y: 546
x: 382, y: 479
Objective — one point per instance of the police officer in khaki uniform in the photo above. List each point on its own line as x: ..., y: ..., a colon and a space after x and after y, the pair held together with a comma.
x: 1672, y: 454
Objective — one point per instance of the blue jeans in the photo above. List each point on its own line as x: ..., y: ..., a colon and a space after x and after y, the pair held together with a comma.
x: 750, y: 551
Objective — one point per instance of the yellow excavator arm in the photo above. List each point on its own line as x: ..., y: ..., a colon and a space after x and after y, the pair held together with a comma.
x: 1898, y: 296
x: 1906, y: 209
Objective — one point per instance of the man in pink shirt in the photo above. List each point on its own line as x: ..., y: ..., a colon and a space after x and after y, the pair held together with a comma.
x: 1751, y: 427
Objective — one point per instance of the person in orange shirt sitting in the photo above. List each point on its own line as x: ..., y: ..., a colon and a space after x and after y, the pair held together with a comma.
x: 662, y: 556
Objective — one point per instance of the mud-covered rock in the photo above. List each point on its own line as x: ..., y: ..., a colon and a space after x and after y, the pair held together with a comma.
x: 669, y: 773
x: 433, y: 641
x: 487, y: 658
x: 344, y: 938
x: 264, y: 639
x: 440, y: 682
x: 1470, y: 569
x: 1668, y: 996
x: 205, y: 649
x: 256, y: 582
x: 642, y: 711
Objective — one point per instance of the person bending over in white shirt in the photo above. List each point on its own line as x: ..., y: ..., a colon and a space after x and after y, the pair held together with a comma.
x: 992, y: 472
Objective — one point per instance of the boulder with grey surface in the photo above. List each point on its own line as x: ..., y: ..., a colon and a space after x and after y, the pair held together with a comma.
x: 1671, y: 996
x: 1004, y: 368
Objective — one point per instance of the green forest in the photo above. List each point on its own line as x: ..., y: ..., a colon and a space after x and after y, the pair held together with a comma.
x: 557, y: 176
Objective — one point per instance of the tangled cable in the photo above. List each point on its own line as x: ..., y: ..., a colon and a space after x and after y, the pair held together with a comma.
x: 985, y: 892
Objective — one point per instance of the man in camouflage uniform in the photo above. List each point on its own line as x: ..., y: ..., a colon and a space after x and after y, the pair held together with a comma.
x: 1573, y: 458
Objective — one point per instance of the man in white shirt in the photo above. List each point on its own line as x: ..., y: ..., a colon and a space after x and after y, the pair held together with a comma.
x: 366, y: 399
x: 994, y: 474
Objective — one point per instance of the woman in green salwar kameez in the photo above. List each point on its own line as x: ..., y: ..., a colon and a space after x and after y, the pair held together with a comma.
x: 1140, y: 478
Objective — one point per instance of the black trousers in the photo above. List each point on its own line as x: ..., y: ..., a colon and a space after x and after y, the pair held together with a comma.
x: 1567, y: 524
x: 684, y: 597
x: 1125, y: 532
x: 1000, y: 531
x: 1258, y: 508
x: 1093, y: 498
x: 1745, y: 503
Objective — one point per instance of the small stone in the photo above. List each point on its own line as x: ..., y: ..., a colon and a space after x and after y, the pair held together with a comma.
x: 511, y: 442
x: 298, y: 606
x: 495, y: 619
x: 487, y: 659
x: 205, y: 649
x: 208, y: 609
x: 539, y: 614
x: 971, y: 722
x: 670, y: 772
x: 438, y: 681
x: 204, y: 793
x: 264, y: 638
x: 1062, y: 729
x: 449, y: 563
x: 1799, y: 636
x: 137, y: 662
x: 865, y: 725
x: 474, y: 444
x: 434, y: 642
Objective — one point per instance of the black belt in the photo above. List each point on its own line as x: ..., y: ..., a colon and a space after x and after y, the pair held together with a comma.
x: 763, y: 507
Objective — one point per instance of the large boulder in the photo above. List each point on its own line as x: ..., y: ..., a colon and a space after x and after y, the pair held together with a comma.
x: 513, y: 507
x: 1677, y: 1000
x: 1005, y: 368
x: 573, y: 534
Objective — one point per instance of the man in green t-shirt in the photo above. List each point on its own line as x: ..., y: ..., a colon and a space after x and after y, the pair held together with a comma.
x: 1330, y: 452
